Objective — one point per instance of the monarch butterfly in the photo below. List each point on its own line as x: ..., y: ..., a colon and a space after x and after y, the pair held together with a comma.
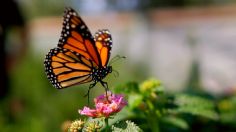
x: 79, y: 57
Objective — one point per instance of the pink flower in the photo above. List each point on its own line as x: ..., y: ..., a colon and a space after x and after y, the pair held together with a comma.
x: 105, y: 106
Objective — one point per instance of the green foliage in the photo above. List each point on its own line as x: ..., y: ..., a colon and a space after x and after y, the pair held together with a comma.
x: 227, y: 108
x: 153, y: 110
x: 125, y: 126
x: 176, y: 121
x: 194, y: 105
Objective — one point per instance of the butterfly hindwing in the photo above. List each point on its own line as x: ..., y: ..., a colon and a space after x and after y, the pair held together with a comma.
x: 103, y: 42
x: 66, y: 68
x: 76, y: 36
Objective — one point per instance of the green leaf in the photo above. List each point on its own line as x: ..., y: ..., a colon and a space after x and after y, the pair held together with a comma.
x: 125, y: 126
x: 178, y: 122
x: 195, y: 105
x: 134, y: 100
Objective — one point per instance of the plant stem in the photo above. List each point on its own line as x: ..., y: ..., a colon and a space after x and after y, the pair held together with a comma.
x: 154, y: 124
x: 107, y: 125
x: 152, y: 117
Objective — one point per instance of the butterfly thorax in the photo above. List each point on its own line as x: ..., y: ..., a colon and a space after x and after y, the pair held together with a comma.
x: 100, y: 73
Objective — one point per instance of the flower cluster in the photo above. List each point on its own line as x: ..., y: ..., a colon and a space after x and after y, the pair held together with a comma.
x: 105, y: 105
x: 93, y: 127
x: 76, y: 126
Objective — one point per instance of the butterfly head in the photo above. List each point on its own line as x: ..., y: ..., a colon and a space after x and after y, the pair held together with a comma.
x: 109, y: 69
x: 106, y: 70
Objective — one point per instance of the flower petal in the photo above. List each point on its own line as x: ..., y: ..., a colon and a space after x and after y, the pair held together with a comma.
x: 105, y: 106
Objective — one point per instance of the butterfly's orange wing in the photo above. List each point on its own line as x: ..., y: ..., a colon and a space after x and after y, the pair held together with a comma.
x: 76, y: 36
x: 66, y: 68
x: 103, y: 42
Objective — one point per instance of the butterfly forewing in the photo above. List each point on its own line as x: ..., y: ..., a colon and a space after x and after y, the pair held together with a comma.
x: 103, y: 42
x: 76, y: 36
x: 66, y: 68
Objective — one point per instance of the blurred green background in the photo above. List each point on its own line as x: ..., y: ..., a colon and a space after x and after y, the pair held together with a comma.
x: 187, y: 44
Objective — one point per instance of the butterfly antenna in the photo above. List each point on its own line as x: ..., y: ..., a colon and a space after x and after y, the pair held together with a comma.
x: 116, y: 58
x: 116, y: 73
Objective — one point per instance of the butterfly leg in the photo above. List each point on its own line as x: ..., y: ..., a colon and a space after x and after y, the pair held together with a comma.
x: 104, y: 84
x: 90, y: 87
